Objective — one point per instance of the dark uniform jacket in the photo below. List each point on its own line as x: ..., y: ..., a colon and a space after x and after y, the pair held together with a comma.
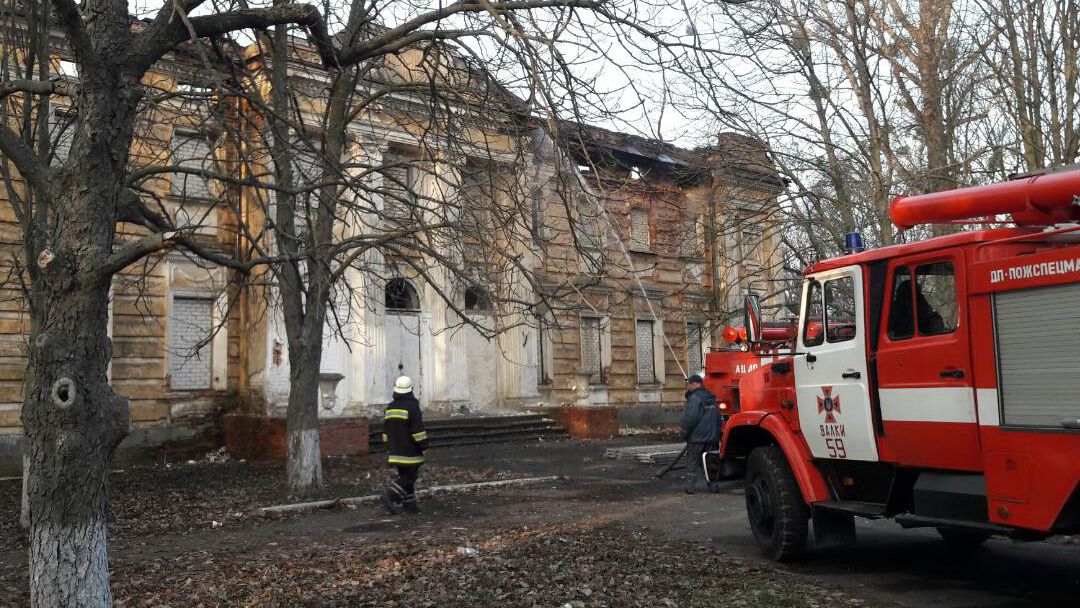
x: 701, y: 419
x: 403, y: 431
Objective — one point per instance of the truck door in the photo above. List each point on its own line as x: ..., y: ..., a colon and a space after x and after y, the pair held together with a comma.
x: 831, y: 379
x: 924, y: 366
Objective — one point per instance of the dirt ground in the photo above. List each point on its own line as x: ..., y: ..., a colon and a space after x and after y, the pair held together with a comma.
x: 607, y: 535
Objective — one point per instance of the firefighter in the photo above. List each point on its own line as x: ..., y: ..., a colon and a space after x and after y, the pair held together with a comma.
x: 405, y: 440
x: 700, y: 431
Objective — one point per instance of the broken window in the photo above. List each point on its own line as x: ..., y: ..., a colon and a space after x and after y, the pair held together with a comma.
x: 476, y: 298
x: 401, y: 296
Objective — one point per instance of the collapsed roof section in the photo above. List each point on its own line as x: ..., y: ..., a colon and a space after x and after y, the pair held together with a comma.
x: 744, y: 158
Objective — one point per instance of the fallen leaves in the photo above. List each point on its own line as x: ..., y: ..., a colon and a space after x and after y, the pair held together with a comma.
x: 217, y: 492
x: 577, y: 565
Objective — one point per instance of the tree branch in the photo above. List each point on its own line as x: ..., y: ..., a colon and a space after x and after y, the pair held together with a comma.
x: 36, y: 87
x: 71, y: 20
x: 133, y: 252
x: 385, y: 40
x: 39, y: 175
x: 165, y: 34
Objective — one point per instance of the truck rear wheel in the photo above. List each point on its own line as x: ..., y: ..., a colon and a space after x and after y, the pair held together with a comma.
x: 774, y: 505
x: 962, y: 538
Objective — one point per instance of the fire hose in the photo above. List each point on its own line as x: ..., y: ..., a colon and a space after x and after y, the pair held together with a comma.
x: 671, y: 465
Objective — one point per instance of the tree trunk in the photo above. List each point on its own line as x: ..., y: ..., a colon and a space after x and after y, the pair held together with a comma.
x: 304, y: 458
x: 24, y: 504
x: 73, y: 423
x: 72, y: 418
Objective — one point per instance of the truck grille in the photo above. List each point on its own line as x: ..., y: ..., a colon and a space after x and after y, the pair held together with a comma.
x: 1038, y: 345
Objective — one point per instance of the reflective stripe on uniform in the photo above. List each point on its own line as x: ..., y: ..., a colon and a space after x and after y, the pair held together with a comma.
x: 392, y: 459
x: 422, y: 435
x: 399, y: 414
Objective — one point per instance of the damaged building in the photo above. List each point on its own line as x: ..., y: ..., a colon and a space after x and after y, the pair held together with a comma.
x: 627, y: 256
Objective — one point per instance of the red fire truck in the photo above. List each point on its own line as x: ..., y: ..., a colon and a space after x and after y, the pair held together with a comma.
x: 936, y: 383
x: 726, y: 366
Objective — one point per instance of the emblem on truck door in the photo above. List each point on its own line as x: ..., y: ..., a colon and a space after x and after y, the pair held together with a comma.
x: 829, y: 404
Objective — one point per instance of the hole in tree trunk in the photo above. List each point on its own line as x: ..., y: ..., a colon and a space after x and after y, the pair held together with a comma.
x: 63, y: 392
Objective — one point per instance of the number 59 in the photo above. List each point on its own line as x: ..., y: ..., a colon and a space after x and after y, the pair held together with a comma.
x: 836, y: 448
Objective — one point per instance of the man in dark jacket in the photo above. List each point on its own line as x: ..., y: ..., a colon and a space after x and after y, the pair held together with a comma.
x: 405, y: 440
x: 700, y: 431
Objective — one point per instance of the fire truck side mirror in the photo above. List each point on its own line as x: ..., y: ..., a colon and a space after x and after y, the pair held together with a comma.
x: 752, y: 318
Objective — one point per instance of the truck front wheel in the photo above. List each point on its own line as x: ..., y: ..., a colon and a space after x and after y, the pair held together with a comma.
x: 778, y: 516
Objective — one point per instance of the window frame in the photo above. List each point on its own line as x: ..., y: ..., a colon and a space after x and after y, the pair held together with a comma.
x: 956, y: 303
x: 206, y: 192
x: 597, y: 377
x: 912, y: 267
x: 651, y: 359
x: 812, y: 286
x: 825, y: 309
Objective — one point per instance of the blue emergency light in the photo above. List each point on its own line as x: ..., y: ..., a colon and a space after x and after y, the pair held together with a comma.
x: 853, y: 243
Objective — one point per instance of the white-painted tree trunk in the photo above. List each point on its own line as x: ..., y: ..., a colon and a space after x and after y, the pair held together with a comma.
x: 24, y: 509
x: 304, y: 463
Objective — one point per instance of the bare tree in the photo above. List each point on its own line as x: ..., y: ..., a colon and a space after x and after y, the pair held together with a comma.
x: 858, y: 101
x: 69, y: 212
x: 1036, y: 81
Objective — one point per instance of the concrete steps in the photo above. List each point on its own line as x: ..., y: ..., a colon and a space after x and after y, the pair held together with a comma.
x: 473, y: 430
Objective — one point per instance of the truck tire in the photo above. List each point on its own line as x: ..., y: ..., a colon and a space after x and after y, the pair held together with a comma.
x: 961, y: 538
x: 774, y: 505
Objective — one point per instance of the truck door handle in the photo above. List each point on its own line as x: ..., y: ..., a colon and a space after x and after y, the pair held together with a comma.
x: 952, y: 373
x: 852, y: 374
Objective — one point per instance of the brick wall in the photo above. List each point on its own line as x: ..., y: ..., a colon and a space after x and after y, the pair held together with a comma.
x: 262, y: 438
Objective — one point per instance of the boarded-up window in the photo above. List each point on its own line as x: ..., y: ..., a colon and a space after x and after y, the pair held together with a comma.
x: 399, y: 187
x: 692, y: 244
x: 639, y: 230
x: 591, y: 348
x: 646, y: 355
x: 588, y: 222
x: 693, y: 348
x: 190, y: 325
x: 192, y: 152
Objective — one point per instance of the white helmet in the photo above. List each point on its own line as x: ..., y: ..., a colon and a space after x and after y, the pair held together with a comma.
x: 403, y: 385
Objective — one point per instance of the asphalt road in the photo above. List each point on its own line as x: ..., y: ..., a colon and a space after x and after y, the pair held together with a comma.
x: 888, y: 566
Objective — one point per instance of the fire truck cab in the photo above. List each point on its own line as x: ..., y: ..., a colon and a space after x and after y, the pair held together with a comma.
x: 936, y: 382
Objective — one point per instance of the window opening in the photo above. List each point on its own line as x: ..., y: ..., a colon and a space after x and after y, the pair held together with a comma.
x: 476, y: 298
x: 840, y: 309
x: 935, y: 299
x: 400, y: 295
x: 901, y: 314
x: 813, y: 334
